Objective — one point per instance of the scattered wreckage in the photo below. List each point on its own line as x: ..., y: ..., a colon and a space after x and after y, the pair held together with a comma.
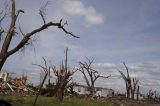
x: 14, y: 86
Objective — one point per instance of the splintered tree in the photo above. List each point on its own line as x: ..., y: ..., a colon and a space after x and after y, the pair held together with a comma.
x: 138, y: 92
x: 9, y: 33
x: 132, y: 86
x: 63, y: 77
x: 127, y: 80
x: 90, y: 74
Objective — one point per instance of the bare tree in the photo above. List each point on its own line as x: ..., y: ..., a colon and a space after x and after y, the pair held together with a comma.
x: 63, y: 77
x: 134, y: 87
x: 90, y: 75
x: 9, y: 34
x: 46, y: 70
x: 127, y: 80
x: 131, y: 83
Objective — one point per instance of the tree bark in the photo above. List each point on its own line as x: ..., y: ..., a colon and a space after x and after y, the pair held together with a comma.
x: 92, y: 90
x: 132, y: 94
x: 137, y: 93
x: 60, y: 94
x: 128, y: 93
x: 2, y: 60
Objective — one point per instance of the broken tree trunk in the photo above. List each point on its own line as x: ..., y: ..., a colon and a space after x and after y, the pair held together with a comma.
x: 137, y: 92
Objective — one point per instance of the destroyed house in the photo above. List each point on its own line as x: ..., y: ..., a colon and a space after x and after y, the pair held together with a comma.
x: 99, y: 91
x: 9, y: 84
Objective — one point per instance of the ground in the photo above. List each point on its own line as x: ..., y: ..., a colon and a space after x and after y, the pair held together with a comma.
x: 50, y: 101
x: 121, y: 101
x: 72, y: 101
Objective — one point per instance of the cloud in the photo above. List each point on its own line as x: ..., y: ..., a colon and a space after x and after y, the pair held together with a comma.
x: 104, y: 65
x: 147, y: 73
x: 77, y: 8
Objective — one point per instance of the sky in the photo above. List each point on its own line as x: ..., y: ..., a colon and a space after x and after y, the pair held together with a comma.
x: 110, y: 31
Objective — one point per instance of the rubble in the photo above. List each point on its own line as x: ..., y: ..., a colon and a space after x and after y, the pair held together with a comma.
x: 14, y: 86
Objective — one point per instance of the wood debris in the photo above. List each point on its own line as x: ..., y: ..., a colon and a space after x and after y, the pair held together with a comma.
x: 14, y: 86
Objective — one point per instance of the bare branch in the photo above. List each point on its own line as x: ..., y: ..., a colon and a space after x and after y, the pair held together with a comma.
x: 126, y: 70
x: 3, y: 17
x: 18, y: 12
x: 54, y: 70
x: 70, y: 33
x: 28, y: 35
x: 85, y: 77
x: 45, y: 62
x: 45, y: 69
x: 42, y: 11
x: 123, y: 75
x: 1, y: 32
x: 66, y: 23
x: 101, y: 76
x: 104, y: 76
x: 42, y: 15
x: 20, y: 29
x: 4, y: 14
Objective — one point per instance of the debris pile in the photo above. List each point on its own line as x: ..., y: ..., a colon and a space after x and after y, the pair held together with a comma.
x: 14, y: 86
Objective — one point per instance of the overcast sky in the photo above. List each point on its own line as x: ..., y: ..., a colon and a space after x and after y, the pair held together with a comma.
x: 111, y: 31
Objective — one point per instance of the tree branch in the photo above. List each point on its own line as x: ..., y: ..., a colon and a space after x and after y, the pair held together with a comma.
x: 85, y: 77
x: 41, y: 14
x: 1, y: 32
x: 43, y: 27
x: 18, y: 12
x: 126, y: 70
x: 122, y: 74
x: 45, y: 69
x: 42, y: 11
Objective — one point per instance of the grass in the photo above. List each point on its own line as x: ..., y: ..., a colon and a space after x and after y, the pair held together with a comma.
x: 50, y: 101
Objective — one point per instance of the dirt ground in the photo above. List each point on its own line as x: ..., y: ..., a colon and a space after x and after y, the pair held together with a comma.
x: 129, y: 102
